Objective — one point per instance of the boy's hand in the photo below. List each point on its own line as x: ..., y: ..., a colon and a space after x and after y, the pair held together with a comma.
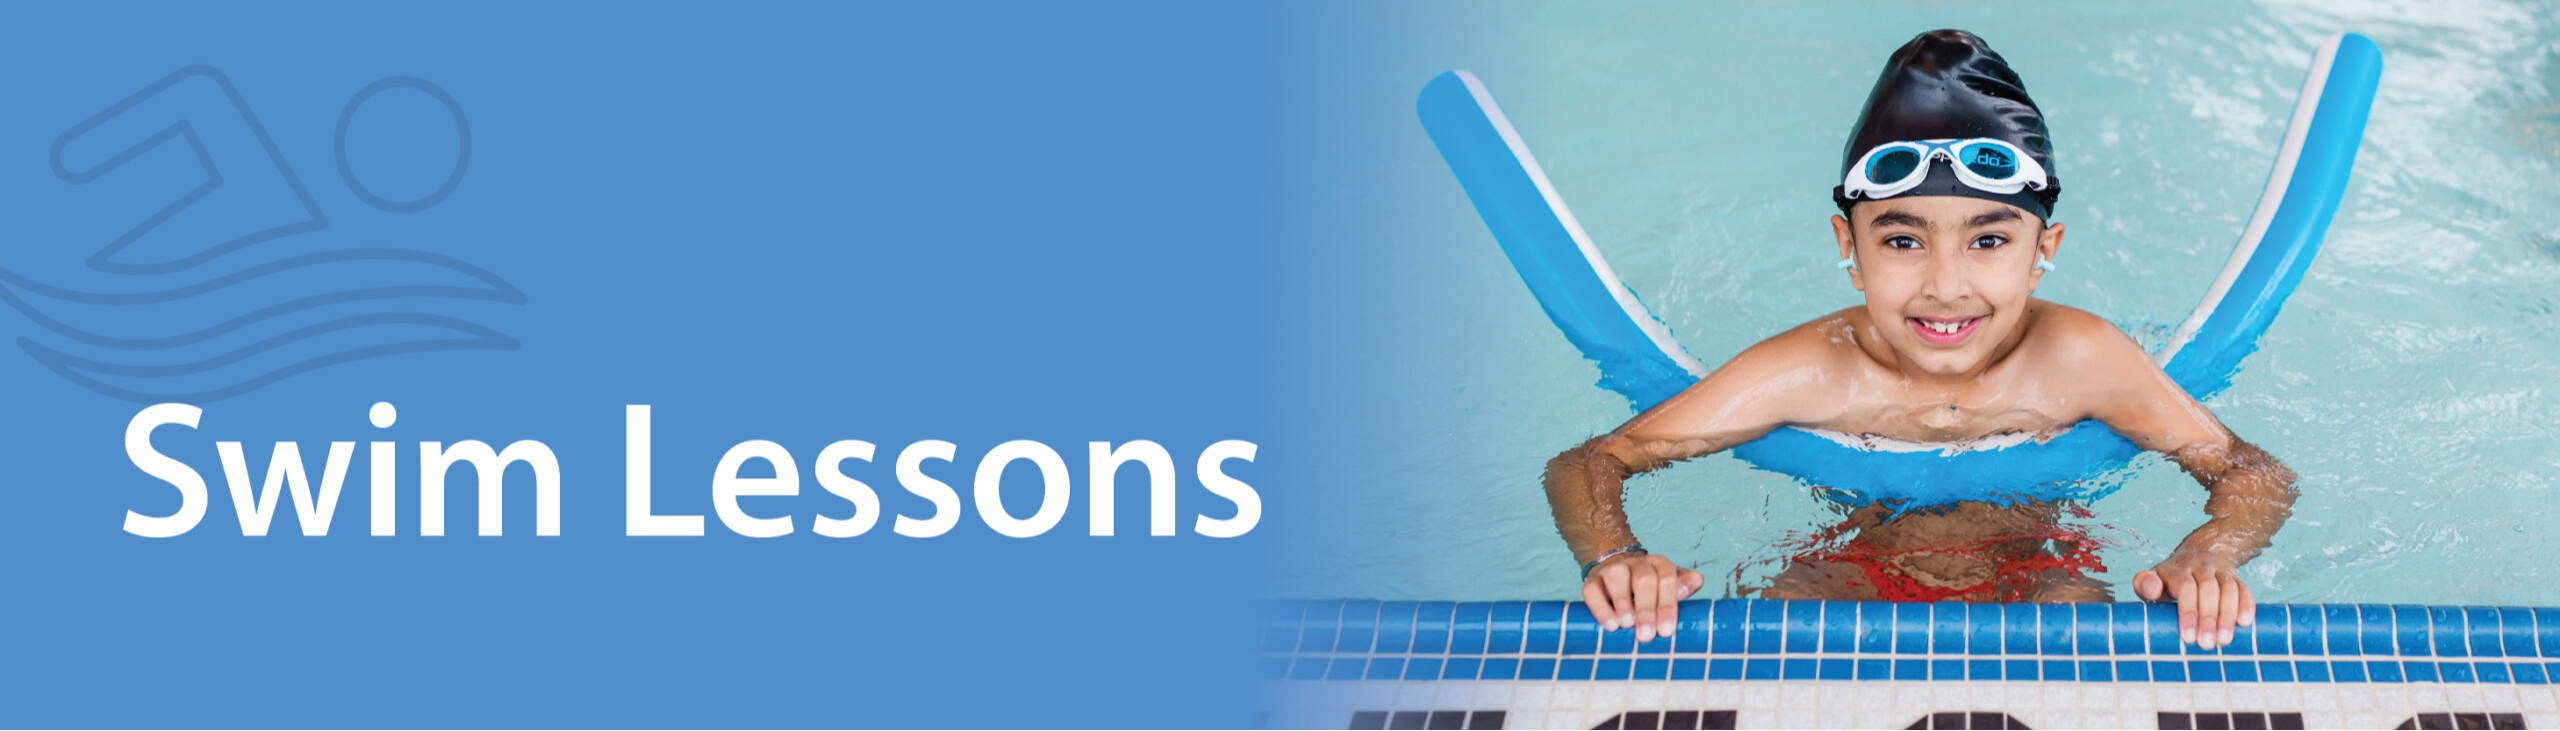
x: 1642, y: 591
x: 2211, y: 598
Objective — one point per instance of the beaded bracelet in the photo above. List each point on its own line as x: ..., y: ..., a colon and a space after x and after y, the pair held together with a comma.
x: 1610, y: 554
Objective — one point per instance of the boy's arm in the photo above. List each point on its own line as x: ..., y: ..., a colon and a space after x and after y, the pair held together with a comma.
x: 1586, y: 484
x: 2250, y: 492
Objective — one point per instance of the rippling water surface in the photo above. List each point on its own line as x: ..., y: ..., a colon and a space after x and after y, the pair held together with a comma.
x: 2413, y: 381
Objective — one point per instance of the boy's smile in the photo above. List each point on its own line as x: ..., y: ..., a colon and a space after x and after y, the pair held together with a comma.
x: 1946, y: 278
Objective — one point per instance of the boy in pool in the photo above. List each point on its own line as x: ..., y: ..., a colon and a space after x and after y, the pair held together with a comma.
x: 1946, y: 229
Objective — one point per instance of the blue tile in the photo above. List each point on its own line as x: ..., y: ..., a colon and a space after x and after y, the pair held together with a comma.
x: 2133, y: 671
x: 1802, y: 668
x: 1766, y: 626
x: 2274, y: 633
x: 2383, y: 671
x: 1946, y: 628
x: 1500, y: 668
x: 1982, y: 629
x: 1725, y: 622
x: 1840, y: 627
x: 2163, y: 621
x: 2343, y: 634
x: 2311, y: 671
x: 1946, y: 670
x: 1573, y: 668
x: 1610, y: 668
x: 2053, y: 629
x: 1875, y: 628
x: 1837, y: 669
x: 2020, y: 670
x: 1621, y: 641
x: 1395, y: 627
x: 2445, y: 627
x: 1545, y: 635
x: 2376, y: 622
x: 1280, y: 622
x: 1422, y: 668
x: 1323, y: 622
x: 2239, y: 671
x: 2457, y: 672
x: 1431, y: 627
x: 1347, y: 668
x: 1385, y: 668
x: 1689, y: 668
x: 2097, y: 671
x: 1911, y: 629
x: 2348, y: 671
x: 1982, y: 670
x: 1875, y: 669
x: 2485, y: 636
x: 1724, y: 669
x: 2059, y: 670
x: 2244, y: 641
x: 1460, y: 668
x: 1504, y: 625
x: 2547, y: 629
x: 2018, y: 628
x: 2307, y: 628
x: 1911, y: 670
x: 2515, y: 625
x: 2275, y: 671
x: 1270, y: 668
x: 2419, y: 671
x: 1581, y: 631
x: 1466, y: 630
x: 2090, y: 628
x: 1804, y: 626
x: 2168, y: 671
x: 2205, y: 671
x: 2129, y: 629
x: 2529, y: 673
x: 1761, y: 668
x: 2420, y: 627
x: 1308, y: 668
x: 1691, y: 636
x: 2492, y: 672
x: 1359, y: 627
x: 1537, y: 668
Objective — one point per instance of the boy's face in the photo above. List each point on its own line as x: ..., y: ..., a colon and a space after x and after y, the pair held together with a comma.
x: 1946, y: 277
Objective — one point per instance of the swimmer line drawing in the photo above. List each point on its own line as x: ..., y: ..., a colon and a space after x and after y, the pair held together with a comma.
x: 222, y: 290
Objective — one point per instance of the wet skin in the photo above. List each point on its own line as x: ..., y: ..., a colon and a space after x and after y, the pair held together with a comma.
x: 1949, y: 346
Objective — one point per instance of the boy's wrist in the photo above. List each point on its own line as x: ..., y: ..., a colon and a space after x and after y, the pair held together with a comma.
x: 1631, y: 549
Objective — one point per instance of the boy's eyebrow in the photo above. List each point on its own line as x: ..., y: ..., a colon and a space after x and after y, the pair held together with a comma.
x: 1897, y: 217
x: 2003, y: 215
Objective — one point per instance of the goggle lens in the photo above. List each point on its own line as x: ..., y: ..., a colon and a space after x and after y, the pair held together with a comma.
x: 1988, y: 161
x: 1893, y: 165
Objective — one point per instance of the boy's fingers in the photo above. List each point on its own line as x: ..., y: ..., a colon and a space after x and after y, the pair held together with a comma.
x: 2146, y: 584
x: 1667, y: 618
x: 2230, y: 606
x: 2248, y: 604
x: 2186, y: 590
x: 1622, y: 613
x: 1691, y: 582
x: 1593, y: 597
x: 2209, y: 614
x: 1646, y: 587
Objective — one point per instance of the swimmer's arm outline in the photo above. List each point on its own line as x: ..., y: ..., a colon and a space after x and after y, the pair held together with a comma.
x: 1767, y: 386
x: 2250, y: 492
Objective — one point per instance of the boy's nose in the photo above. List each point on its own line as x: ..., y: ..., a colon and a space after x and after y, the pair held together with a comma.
x: 1944, y: 277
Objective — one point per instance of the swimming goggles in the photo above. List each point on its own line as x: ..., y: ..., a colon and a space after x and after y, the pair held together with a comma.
x: 1986, y: 164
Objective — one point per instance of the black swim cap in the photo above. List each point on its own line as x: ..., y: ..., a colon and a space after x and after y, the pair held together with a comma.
x: 1949, y: 84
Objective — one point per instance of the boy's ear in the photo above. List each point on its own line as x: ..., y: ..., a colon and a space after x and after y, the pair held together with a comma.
x: 1848, y: 250
x: 2048, y: 243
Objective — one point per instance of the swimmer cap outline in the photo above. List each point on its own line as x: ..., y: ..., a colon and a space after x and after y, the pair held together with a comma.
x: 1949, y: 85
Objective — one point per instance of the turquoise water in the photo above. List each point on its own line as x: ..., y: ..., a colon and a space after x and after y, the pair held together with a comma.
x: 2413, y: 381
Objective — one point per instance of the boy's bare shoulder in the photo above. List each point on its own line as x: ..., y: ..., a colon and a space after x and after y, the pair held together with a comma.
x: 2069, y: 337
x: 1826, y: 341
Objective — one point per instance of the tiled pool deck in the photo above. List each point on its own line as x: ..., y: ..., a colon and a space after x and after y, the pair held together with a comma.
x: 1811, y: 664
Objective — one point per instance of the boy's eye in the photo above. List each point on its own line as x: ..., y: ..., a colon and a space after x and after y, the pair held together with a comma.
x: 1901, y: 242
x: 1989, y: 241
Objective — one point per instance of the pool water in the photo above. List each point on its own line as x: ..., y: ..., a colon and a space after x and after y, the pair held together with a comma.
x: 2413, y: 381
